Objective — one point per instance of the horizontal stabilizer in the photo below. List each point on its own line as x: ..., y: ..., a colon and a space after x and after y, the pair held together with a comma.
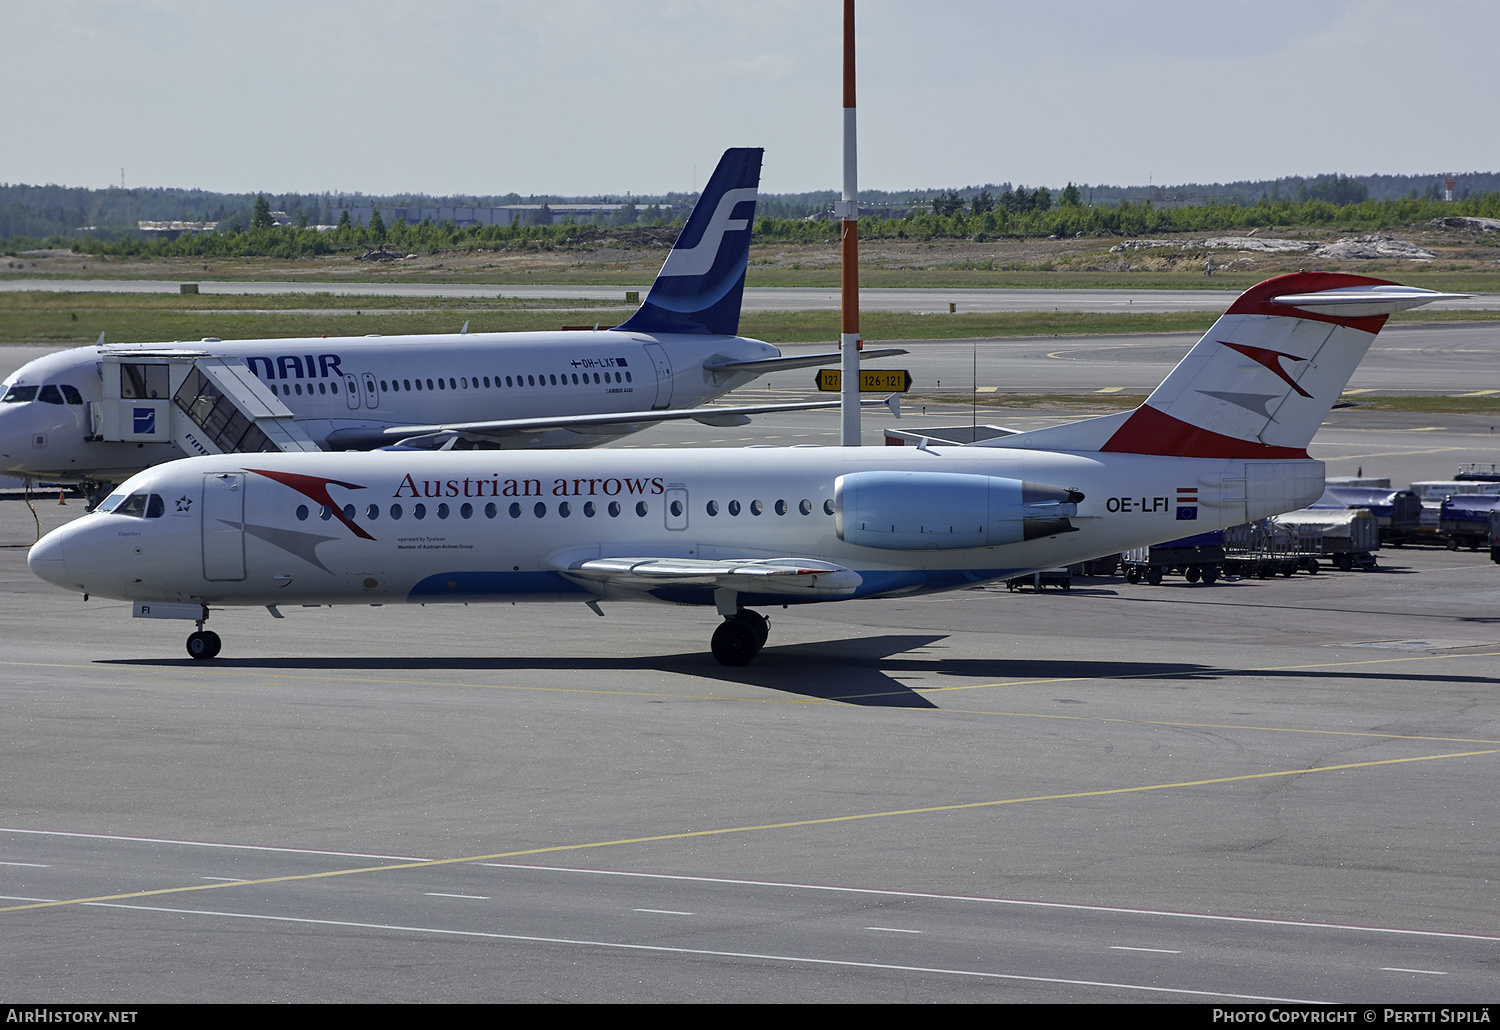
x: 759, y: 366
x: 599, y: 424
x: 1363, y: 301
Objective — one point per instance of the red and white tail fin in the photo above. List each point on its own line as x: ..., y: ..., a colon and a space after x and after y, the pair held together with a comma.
x: 1260, y: 381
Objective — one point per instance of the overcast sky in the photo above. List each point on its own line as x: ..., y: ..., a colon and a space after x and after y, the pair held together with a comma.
x: 607, y: 96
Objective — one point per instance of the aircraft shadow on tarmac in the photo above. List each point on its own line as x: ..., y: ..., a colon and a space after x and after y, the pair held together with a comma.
x: 864, y: 671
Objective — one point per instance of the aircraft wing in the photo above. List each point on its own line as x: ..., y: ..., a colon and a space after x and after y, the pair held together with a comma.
x: 796, y: 576
x: 758, y: 366
x: 726, y: 415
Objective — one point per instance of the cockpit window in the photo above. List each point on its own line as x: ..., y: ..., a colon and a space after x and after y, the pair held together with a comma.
x: 19, y: 394
x: 71, y: 394
x: 109, y: 503
x: 142, y: 506
x: 50, y: 395
x: 134, y: 506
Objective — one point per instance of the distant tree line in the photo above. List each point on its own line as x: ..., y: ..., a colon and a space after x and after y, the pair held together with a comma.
x: 1016, y: 212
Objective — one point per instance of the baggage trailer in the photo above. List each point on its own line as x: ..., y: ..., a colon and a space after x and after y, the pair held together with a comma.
x: 1480, y: 472
x: 1197, y: 558
x: 1464, y: 520
x: 1495, y: 536
x: 1255, y: 549
x: 1348, y: 538
x: 1433, y: 493
x: 1398, y: 513
x: 1038, y: 581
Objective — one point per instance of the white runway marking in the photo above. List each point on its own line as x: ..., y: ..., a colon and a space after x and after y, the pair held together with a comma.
x: 1253, y: 920
x: 466, y: 897
x: 753, y: 956
x: 1158, y: 951
x: 212, y: 844
x: 891, y: 929
x: 663, y: 912
x: 1424, y: 972
x: 28, y: 865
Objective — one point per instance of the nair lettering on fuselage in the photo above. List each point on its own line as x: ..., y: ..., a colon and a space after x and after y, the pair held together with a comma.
x: 292, y: 366
x: 497, y: 487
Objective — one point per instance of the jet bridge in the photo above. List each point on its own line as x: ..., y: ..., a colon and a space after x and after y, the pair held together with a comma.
x: 202, y: 402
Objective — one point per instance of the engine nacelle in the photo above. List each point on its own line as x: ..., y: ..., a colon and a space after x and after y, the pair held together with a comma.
x: 913, y: 511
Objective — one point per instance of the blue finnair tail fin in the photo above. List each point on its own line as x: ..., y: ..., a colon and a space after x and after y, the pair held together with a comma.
x: 698, y: 289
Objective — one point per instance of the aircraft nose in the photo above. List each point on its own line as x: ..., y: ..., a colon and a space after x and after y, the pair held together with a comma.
x: 19, y: 429
x: 48, y: 560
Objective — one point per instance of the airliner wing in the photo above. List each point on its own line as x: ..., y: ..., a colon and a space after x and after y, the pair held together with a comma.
x: 757, y: 366
x: 801, y: 576
x: 726, y: 415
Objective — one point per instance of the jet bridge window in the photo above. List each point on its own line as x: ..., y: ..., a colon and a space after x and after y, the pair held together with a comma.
x: 144, y: 382
x: 217, y: 416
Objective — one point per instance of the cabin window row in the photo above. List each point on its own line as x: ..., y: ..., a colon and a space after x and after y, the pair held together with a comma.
x: 515, y: 510
x: 511, y: 382
x: 331, y: 386
x: 540, y: 509
x: 757, y: 507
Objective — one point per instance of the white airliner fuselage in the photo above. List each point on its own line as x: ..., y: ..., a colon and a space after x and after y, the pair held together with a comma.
x: 346, y: 391
x: 466, y: 527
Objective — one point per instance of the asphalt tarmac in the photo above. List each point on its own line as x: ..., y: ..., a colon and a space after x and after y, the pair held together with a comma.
x: 1264, y: 791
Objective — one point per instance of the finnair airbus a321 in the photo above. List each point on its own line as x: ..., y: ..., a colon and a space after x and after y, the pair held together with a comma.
x: 680, y: 350
x: 1222, y: 440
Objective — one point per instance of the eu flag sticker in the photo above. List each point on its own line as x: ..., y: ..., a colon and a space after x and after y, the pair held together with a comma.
x: 1186, y: 513
x: 144, y: 421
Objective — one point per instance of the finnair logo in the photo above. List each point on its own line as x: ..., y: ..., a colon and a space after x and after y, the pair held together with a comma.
x: 144, y: 421
x: 697, y: 260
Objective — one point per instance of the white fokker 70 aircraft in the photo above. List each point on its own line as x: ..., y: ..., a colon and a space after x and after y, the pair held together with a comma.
x: 96, y: 415
x: 1222, y: 440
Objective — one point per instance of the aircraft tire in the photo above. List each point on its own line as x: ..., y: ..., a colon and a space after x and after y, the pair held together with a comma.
x: 759, y: 622
x: 736, y: 642
x: 203, y: 645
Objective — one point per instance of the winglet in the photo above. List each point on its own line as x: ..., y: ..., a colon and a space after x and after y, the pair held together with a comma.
x: 699, y: 286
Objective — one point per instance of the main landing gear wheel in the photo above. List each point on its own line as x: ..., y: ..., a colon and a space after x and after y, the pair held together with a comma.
x: 204, y: 645
x: 740, y: 637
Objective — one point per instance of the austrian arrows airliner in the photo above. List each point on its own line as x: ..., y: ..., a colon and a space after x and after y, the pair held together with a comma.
x: 1221, y: 441
x: 498, y: 390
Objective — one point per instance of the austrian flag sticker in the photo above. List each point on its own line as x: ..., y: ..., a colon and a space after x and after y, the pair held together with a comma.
x: 1187, y: 503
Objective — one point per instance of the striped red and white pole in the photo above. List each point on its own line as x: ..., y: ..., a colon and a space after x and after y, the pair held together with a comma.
x: 848, y: 212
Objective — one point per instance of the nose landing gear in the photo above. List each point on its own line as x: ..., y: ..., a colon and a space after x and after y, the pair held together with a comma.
x: 203, y: 644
